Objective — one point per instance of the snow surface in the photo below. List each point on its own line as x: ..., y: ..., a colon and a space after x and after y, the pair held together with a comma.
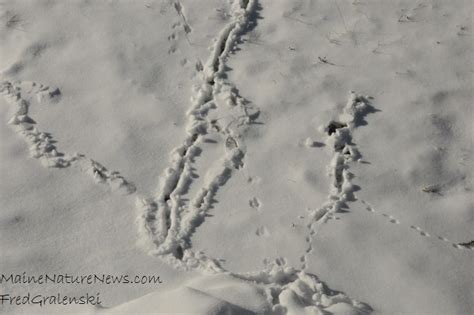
x: 261, y: 156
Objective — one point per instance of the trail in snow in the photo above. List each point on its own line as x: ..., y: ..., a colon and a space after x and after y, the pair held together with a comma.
x: 41, y: 145
x: 419, y: 230
x: 339, y: 139
x: 165, y: 220
x: 342, y: 190
x: 166, y: 223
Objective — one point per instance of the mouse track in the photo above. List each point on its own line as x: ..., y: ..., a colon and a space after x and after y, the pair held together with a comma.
x: 419, y: 230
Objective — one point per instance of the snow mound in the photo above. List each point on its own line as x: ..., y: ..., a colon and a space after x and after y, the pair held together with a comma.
x: 279, y: 289
x: 219, y: 294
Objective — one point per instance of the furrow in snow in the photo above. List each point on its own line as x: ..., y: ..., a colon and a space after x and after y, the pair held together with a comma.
x: 164, y: 220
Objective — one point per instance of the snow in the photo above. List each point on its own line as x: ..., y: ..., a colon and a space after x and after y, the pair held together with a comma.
x: 261, y: 157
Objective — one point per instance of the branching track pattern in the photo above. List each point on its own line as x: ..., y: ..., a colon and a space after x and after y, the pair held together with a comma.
x: 166, y: 222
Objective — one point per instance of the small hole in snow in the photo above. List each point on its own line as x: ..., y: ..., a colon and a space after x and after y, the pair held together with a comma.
x: 333, y: 126
x: 179, y: 253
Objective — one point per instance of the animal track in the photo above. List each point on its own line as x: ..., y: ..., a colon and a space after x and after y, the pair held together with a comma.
x: 262, y: 231
x: 41, y: 144
x: 339, y: 138
x: 168, y: 224
x: 254, y: 203
x: 391, y: 219
x: 186, y: 29
x: 419, y: 230
x: 165, y: 222
x: 180, y: 10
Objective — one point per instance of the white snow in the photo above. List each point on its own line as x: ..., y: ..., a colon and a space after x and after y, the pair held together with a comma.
x: 260, y: 156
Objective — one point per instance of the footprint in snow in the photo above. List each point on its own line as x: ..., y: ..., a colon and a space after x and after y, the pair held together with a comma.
x: 262, y: 231
x: 255, y: 203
